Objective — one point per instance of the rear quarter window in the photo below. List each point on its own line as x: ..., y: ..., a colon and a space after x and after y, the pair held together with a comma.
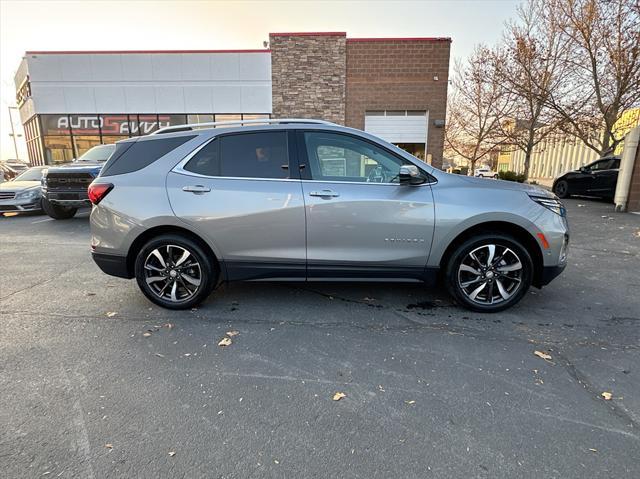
x: 133, y: 156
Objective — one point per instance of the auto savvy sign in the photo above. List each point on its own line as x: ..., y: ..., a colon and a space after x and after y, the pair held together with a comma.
x: 121, y: 125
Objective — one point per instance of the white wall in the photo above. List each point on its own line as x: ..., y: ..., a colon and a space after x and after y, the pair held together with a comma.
x: 151, y: 82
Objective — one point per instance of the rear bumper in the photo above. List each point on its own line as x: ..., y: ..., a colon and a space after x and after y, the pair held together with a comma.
x: 112, y: 265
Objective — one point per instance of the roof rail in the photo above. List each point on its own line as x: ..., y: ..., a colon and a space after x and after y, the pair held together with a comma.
x: 214, y: 124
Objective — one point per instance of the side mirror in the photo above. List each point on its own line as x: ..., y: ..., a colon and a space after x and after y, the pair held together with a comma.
x: 410, y: 175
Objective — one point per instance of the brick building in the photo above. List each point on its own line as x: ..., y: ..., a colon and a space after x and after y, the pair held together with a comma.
x: 395, y: 88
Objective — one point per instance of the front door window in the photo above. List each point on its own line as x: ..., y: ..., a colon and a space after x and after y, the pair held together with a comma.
x: 337, y: 157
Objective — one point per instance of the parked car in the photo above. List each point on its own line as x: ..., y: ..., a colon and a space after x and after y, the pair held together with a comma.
x: 9, y: 169
x: 23, y: 193
x: 65, y: 186
x: 595, y: 179
x: 485, y: 172
x: 183, y: 210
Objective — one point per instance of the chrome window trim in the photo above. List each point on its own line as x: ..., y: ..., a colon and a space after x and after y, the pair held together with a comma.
x: 179, y: 168
x: 426, y: 183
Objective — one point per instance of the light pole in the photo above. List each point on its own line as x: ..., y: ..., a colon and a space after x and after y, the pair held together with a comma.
x: 13, y: 132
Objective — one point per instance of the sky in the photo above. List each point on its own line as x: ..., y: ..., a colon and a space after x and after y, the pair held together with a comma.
x: 207, y: 24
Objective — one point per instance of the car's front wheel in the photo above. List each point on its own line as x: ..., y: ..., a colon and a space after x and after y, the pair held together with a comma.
x: 489, y: 273
x: 561, y: 189
x: 175, y: 272
x: 58, y: 212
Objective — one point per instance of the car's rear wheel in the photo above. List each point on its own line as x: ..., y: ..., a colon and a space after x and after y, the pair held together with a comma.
x: 175, y: 272
x: 561, y: 189
x: 58, y: 212
x: 489, y: 273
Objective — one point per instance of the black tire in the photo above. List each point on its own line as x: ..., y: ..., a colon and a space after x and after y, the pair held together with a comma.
x: 207, y: 269
x: 58, y: 212
x: 495, y: 177
x: 561, y: 189
x: 453, y: 274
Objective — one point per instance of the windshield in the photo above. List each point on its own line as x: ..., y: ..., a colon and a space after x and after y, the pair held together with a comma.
x: 32, y: 174
x: 98, y: 153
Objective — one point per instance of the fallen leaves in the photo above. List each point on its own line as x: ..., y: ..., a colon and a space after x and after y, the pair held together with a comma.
x: 111, y: 314
x: 109, y: 446
x: 172, y: 453
x: 606, y: 396
x: 337, y: 396
x: 540, y: 354
x: 226, y: 341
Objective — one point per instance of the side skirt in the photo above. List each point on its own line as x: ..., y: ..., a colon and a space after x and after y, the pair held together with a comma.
x: 254, y: 271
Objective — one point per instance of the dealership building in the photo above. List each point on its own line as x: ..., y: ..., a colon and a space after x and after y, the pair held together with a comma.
x: 395, y: 88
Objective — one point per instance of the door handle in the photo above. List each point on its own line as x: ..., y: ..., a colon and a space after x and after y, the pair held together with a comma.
x: 325, y: 194
x: 196, y: 189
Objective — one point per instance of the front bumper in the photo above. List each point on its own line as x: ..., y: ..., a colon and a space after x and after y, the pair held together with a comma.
x: 112, y: 265
x: 19, y: 206
x: 549, y: 273
x: 77, y: 198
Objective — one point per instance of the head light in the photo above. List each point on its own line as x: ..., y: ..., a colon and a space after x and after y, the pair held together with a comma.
x: 28, y: 194
x: 552, y: 204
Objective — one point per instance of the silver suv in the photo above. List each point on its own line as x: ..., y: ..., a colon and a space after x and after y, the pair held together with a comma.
x: 306, y: 200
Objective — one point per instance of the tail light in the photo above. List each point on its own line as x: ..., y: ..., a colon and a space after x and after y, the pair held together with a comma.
x: 97, y: 191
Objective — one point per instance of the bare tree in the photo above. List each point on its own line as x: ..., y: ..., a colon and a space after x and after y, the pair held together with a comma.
x: 477, y: 106
x: 530, y: 67
x: 601, y: 66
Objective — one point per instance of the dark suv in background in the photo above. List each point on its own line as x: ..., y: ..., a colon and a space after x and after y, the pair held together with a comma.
x: 64, y: 187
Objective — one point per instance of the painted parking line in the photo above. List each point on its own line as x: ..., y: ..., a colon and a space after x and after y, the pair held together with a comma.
x: 41, y: 221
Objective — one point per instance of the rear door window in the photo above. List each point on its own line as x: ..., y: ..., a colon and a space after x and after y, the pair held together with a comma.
x: 245, y: 155
x: 206, y: 161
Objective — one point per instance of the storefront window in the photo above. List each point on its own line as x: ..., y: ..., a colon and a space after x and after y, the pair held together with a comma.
x: 60, y: 138
x: 84, y: 124
x: 117, y: 125
x: 228, y: 117
x: 57, y: 149
x: 199, y: 118
x: 84, y: 143
x: 107, y: 140
x: 143, y: 124
x: 55, y: 125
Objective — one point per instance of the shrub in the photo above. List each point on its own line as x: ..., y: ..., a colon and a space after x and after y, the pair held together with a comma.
x: 511, y: 176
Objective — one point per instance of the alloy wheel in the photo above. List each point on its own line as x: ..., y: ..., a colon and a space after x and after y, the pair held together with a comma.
x: 490, y: 274
x: 172, y: 273
x: 561, y: 189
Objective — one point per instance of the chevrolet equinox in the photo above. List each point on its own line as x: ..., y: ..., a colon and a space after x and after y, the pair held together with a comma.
x: 306, y: 200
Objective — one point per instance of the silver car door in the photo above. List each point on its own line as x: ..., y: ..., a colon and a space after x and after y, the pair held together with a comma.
x: 236, y: 191
x: 360, y: 221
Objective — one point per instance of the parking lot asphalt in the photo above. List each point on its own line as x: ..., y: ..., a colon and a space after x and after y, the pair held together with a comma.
x: 97, y: 382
